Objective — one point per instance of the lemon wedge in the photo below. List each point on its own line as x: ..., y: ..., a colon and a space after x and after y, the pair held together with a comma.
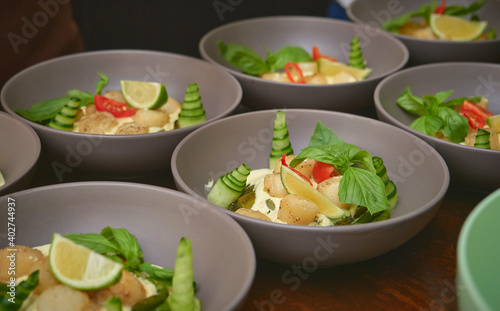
x: 294, y: 184
x: 81, y: 268
x: 342, y: 71
x: 455, y: 28
x: 144, y: 95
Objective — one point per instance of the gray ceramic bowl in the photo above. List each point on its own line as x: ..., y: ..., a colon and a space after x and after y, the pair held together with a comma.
x: 118, y: 156
x: 409, y: 161
x: 470, y: 167
x: 223, y: 259
x: 375, y: 12
x: 478, y: 255
x: 20, y: 152
x: 382, y: 52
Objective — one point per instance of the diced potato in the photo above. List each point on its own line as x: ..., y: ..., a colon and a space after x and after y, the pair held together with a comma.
x: 305, y: 168
x: 252, y: 213
x: 129, y: 289
x: 24, y: 258
x: 62, y: 298
x: 318, y: 78
x: 330, y: 189
x: 153, y: 118
x: 115, y: 95
x: 274, y: 186
x: 297, y: 210
x: 171, y: 106
x: 97, y: 123
x: 132, y: 128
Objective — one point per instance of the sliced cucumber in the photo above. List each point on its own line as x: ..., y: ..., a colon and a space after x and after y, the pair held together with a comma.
x: 192, y: 111
x: 482, y: 139
x: 356, y: 54
x: 65, y: 118
x: 281, y: 141
x: 229, y: 187
x: 390, y: 188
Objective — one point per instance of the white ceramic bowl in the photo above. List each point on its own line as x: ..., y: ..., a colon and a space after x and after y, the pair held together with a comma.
x: 118, y: 156
x: 223, y: 257
x: 381, y: 51
x: 419, y: 172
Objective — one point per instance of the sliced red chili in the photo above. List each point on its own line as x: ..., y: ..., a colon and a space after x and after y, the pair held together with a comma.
x: 298, y: 70
x: 283, y: 162
x: 116, y: 108
x: 475, y: 114
x: 441, y: 8
x: 317, y: 55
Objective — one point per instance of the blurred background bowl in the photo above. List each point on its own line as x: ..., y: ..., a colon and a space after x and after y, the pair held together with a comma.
x: 223, y: 259
x: 381, y: 51
x: 478, y: 256
x: 118, y: 156
x: 419, y: 172
x: 20, y: 152
x: 422, y: 51
x: 470, y: 167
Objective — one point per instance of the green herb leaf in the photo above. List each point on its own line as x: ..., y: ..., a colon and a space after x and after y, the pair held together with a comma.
x: 455, y: 125
x: 412, y: 103
x: 460, y: 11
x: 289, y: 54
x: 429, y: 125
x: 94, y: 241
x: 127, y: 244
x: 424, y: 11
x: 324, y: 136
x: 160, y: 274
x: 364, y: 188
x: 460, y: 100
x: 242, y: 57
x: 85, y: 97
x: 103, y: 82
x: 43, y: 110
x: 492, y: 34
x: 364, y: 159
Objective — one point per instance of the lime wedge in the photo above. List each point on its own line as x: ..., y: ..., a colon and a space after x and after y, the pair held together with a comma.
x: 81, y: 268
x: 2, y: 180
x: 144, y: 95
x: 331, y: 68
x: 455, y: 28
x: 294, y: 184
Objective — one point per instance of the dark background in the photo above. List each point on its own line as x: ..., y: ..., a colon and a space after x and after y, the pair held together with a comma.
x: 172, y: 26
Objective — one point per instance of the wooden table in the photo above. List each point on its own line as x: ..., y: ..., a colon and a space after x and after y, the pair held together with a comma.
x: 419, y: 275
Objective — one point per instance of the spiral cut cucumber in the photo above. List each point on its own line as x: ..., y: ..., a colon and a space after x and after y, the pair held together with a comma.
x: 482, y: 139
x: 229, y: 187
x: 356, y: 54
x: 281, y: 141
x: 192, y: 111
x: 65, y: 118
x: 390, y: 188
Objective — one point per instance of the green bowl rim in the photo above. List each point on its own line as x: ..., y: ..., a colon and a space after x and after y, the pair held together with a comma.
x: 462, y: 261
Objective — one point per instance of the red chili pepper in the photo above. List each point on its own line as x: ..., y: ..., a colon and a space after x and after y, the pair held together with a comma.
x: 283, y: 162
x: 317, y: 55
x: 441, y: 8
x: 476, y: 114
x: 116, y: 108
x: 299, y: 72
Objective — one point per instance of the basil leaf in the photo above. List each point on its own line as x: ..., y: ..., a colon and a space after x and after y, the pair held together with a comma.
x: 93, y: 241
x: 242, y: 57
x: 85, y: 97
x: 455, y: 126
x: 43, y: 110
x: 427, y: 124
x: 127, y: 244
x: 364, y: 159
x: 441, y: 96
x: 460, y: 100
x: 157, y: 273
x: 460, y: 11
x: 319, y: 154
x: 412, y: 103
x: 424, y: 11
x: 324, y: 136
x: 364, y: 188
x: 293, y: 54
x: 492, y: 34
x: 102, y: 83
